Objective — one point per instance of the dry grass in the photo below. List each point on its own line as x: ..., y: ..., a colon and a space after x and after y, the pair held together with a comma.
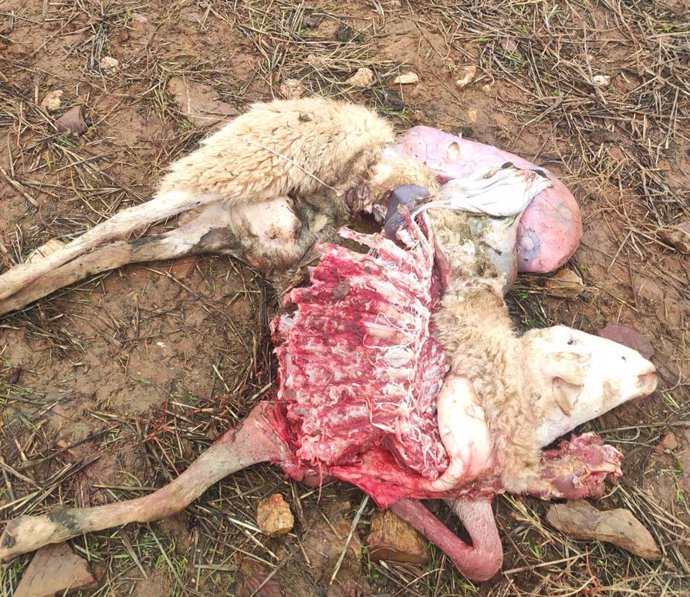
x: 619, y: 145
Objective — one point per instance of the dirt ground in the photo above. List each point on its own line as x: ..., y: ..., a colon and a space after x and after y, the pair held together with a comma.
x: 111, y: 387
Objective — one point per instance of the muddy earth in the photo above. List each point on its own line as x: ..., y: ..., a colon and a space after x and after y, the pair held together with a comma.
x: 111, y: 387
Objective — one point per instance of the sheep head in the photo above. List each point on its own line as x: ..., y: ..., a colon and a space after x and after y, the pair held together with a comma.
x: 578, y: 377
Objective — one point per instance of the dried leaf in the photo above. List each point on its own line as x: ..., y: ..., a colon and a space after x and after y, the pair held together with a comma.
x: 565, y: 283
x: 72, y: 121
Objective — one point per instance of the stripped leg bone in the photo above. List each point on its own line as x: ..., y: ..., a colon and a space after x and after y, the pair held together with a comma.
x: 253, y: 441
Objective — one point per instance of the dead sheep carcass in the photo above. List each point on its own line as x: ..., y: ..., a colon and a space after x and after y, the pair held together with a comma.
x: 278, y: 179
x: 409, y: 391
x: 445, y: 401
x: 264, y: 188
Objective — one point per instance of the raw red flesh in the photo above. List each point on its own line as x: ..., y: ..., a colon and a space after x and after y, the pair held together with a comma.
x: 578, y: 468
x: 359, y: 366
x: 359, y: 377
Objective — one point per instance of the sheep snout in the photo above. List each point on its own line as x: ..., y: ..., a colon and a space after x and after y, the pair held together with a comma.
x: 577, y: 377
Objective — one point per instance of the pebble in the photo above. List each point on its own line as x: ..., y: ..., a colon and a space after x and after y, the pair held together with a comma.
x: 580, y: 520
x: 407, y: 79
x: 669, y: 441
x: 363, y: 78
x: 52, y: 101
x: 274, y: 517
x: 628, y: 337
x: 391, y: 538
x: 678, y: 237
x: 468, y: 74
x: 53, y: 570
x: 291, y: 89
x: 109, y: 63
x: 72, y: 121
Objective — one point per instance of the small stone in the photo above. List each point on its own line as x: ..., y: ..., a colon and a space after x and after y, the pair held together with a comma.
x: 139, y: 26
x: 192, y: 16
x: 628, y: 337
x: 199, y: 102
x: 52, y: 101
x: 677, y: 237
x: 509, y: 44
x: 344, y: 33
x: 468, y: 73
x: 619, y: 527
x: 53, y: 570
x: 183, y: 267
x: 391, y: 538
x: 669, y: 441
x: 109, y: 63
x: 13, y: 379
x: 407, y: 79
x: 601, y: 80
x: 565, y: 284
x: 72, y: 121
x: 392, y: 101
x: 291, y: 89
x: 363, y: 78
x: 274, y: 517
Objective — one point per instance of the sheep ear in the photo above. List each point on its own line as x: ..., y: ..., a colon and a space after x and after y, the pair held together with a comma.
x: 570, y: 367
x: 453, y: 152
x: 565, y: 394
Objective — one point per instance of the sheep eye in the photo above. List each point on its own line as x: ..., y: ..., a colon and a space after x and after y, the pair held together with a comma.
x: 624, y: 359
x: 571, y: 342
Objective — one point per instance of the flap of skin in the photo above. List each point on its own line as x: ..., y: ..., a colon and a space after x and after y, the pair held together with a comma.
x: 486, y: 192
x: 464, y: 432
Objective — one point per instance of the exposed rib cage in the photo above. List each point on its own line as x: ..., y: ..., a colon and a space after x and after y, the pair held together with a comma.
x: 359, y: 367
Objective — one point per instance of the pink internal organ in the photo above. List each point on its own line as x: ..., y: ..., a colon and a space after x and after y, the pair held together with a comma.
x: 550, y: 228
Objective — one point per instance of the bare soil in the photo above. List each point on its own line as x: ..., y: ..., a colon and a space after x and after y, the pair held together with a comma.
x: 111, y: 387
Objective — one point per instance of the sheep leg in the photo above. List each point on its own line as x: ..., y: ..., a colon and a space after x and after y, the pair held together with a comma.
x: 198, y: 236
x: 253, y: 441
x: 483, y: 558
x: 121, y: 225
